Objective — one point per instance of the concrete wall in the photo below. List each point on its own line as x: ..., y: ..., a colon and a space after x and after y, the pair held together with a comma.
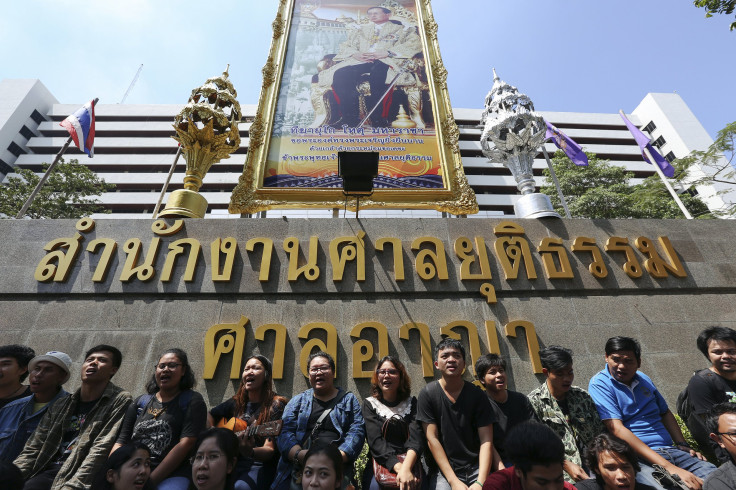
x: 144, y: 318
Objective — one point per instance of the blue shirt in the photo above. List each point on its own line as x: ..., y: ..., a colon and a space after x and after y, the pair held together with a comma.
x: 346, y: 417
x: 640, y: 406
x: 17, y: 423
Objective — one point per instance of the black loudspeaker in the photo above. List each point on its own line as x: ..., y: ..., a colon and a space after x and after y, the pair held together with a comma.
x: 357, y: 169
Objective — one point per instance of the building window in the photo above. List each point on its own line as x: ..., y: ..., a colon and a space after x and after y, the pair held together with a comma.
x: 15, y: 149
x: 5, y: 168
x: 37, y: 117
x: 27, y: 133
x: 670, y: 157
x: 659, y: 142
x: 650, y: 127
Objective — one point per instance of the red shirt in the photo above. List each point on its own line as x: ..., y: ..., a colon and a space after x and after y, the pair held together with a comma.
x: 506, y: 479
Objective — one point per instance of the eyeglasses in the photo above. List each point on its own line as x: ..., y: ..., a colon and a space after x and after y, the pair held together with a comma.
x: 199, y: 458
x: 170, y: 365
x: 731, y: 435
x: 319, y: 369
x: 388, y: 372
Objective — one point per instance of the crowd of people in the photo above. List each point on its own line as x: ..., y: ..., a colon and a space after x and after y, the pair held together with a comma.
x: 619, y: 434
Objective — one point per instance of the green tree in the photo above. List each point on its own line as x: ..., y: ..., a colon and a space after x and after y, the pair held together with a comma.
x: 717, y: 7
x: 717, y: 162
x: 66, y: 193
x: 602, y: 190
x: 653, y: 200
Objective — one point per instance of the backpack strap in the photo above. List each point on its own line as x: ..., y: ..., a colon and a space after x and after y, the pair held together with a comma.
x: 143, y: 402
x: 185, y: 397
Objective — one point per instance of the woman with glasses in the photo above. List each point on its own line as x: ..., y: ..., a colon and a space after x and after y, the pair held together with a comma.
x: 322, y: 415
x: 395, y: 437
x: 255, y: 403
x: 168, y: 420
x: 214, y: 460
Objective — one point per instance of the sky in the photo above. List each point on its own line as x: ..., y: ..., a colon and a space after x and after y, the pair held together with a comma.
x: 567, y: 55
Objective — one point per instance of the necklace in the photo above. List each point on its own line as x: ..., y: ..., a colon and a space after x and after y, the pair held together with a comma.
x: 156, y: 411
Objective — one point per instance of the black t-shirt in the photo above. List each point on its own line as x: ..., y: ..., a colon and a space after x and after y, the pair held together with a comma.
x: 72, y: 427
x: 226, y: 410
x: 400, y: 433
x: 515, y: 410
x: 327, y: 433
x: 706, y: 389
x: 457, y: 423
x: 5, y: 401
x: 161, y: 426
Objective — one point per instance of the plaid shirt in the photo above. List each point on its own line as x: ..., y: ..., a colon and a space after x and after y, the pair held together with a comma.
x: 96, y: 439
x: 577, y: 429
x: 346, y: 416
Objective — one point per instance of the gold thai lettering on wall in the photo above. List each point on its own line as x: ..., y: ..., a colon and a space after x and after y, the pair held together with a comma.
x: 514, y: 254
x: 225, y: 343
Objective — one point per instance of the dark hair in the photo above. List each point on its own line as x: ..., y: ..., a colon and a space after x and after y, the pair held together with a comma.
x: 448, y: 343
x: 533, y: 443
x: 117, y: 356
x: 385, y: 10
x: 404, y: 381
x: 715, y: 413
x: 187, y: 382
x: 607, y: 442
x: 714, y: 333
x: 484, y: 363
x: 227, y: 441
x: 616, y: 344
x: 22, y: 355
x: 555, y: 357
x: 324, y: 354
x: 116, y: 461
x: 268, y: 395
x: 332, y: 453
x: 12, y: 476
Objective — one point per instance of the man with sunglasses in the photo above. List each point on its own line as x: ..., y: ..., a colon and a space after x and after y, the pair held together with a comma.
x: 722, y: 425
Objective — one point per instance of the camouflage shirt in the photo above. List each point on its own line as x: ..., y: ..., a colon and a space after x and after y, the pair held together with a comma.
x: 576, y: 429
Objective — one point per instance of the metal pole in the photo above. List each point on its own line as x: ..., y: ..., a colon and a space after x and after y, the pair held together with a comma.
x: 166, y: 184
x: 667, y: 185
x: 43, y: 180
x: 557, y: 182
x: 45, y: 177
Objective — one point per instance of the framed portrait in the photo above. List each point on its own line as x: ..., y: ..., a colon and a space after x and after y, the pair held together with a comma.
x: 354, y: 76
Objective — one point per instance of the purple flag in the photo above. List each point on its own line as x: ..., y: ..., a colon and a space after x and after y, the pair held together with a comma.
x: 643, y: 141
x: 566, y: 144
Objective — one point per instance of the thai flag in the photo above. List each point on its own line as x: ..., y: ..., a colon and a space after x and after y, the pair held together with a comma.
x: 81, y: 127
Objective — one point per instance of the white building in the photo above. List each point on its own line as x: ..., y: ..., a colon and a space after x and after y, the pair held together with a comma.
x: 134, y: 150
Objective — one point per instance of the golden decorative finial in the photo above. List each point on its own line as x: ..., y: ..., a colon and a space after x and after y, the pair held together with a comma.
x: 207, y: 130
x: 403, y: 120
x: 226, y: 73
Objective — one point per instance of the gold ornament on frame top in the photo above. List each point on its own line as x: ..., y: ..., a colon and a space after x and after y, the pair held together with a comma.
x: 207, y: 130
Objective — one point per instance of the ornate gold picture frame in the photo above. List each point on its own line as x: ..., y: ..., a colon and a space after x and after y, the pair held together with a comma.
x: 354, y: 75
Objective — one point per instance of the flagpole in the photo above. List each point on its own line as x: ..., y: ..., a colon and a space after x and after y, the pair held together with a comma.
x: 166, y: 184
x: 45, y: 176
x: 667, y: 185
x: 557, y: 182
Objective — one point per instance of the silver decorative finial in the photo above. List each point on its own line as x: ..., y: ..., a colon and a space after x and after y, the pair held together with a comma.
x: 512, y: 134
